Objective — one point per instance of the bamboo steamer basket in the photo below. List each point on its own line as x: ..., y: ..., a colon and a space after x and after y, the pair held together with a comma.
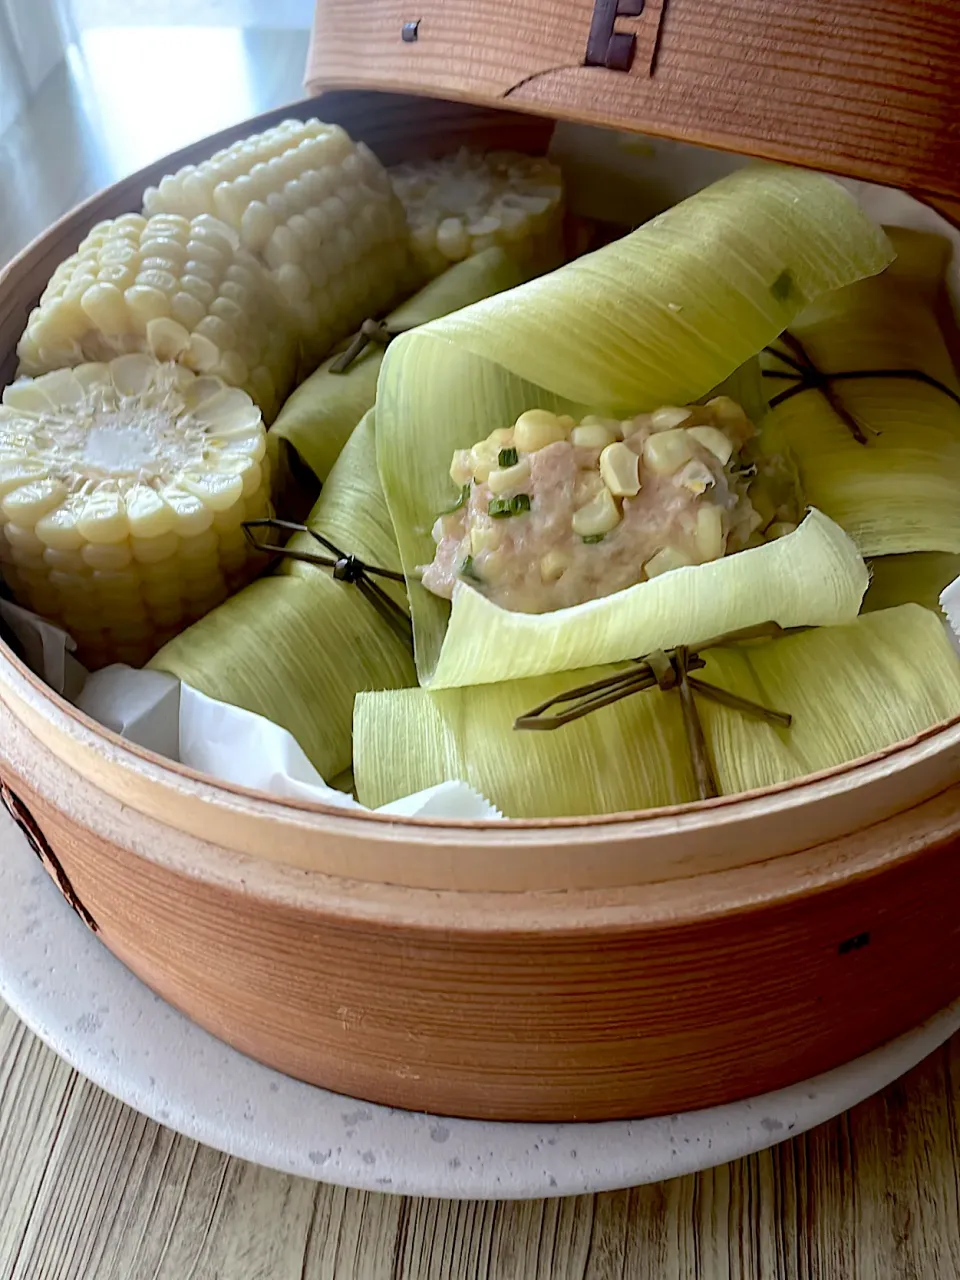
x: 595, y: 968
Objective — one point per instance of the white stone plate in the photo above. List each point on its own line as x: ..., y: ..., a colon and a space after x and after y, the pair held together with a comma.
x: 93, y: 1012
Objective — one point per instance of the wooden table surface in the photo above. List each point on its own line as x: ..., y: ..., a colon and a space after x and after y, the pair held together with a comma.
x: 90, y: 1190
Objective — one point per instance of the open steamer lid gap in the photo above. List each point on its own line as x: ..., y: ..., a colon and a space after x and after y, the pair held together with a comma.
x: 790, y: 951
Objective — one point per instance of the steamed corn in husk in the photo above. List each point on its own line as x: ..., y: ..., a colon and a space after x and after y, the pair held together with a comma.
x: 123, y: 487
x: 317, y: 209
x: 900, y: 491
x: 852, y: 690
x: 658, y: 318
x: 917, y: 578
x: 319, y: 416
x: 296, y: 646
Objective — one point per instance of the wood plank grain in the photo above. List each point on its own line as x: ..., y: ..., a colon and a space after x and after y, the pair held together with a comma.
x: 89, y: 1190
x: 35, y: 1092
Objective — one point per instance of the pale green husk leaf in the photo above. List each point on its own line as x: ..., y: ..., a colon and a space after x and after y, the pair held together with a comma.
x: 814, y: 576
x: 852, y: 690
x: 899, y: 492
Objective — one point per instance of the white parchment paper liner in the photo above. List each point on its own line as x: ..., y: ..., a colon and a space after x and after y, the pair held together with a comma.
x: 157, y: 711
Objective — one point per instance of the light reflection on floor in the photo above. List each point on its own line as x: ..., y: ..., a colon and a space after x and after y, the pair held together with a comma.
x: 127, y: 96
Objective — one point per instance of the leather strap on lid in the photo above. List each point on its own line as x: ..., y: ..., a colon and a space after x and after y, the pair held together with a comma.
x: 871, y: 90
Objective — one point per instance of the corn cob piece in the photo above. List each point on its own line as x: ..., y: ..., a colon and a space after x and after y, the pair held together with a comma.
x: 175, y: 288
x: 464, y: 203
x: 317, y: 209
x: 123, y: 487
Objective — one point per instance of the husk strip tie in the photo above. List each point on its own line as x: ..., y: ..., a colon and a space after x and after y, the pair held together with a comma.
x: 666, y: 670
x: 369, y: 331
x: 346, y: 568
x: 806, y: 376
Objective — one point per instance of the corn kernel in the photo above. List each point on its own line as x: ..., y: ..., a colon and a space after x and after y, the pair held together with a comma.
x: 668, y: 417
x: 726, y: 410
x: 620, y: 470
x: 710, y: 539
x: 715, y: 441
x: 593, y: 435
x: 484, y: 538
x: 503, y: 479
x: 553, y: 565
x: 461, y: 468
x: 665, y: 560
x: 666, y: 452
x: 538, y: 428
x: 597, y: 517
x: 483, y: 459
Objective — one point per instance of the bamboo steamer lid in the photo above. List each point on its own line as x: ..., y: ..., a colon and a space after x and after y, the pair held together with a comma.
x: 870, y: 91
x: 579, y: 969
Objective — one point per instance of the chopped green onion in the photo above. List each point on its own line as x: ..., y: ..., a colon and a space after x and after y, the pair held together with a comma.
x: 467, y: 570
x: 464, y: 497
x: 500, y: 508
x: 593, y: 537
x: 507, y: 458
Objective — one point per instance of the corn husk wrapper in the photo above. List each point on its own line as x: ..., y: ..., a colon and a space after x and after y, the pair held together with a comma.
x: 900, y: 492
x: 320, y: 415
x: 813, y: 576
x: 296, y: 646
x: 918, y: 578
x: 656, y: 318
x: 852, y: 690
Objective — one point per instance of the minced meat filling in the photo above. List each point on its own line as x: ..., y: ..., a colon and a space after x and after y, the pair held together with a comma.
x: 554, y: 513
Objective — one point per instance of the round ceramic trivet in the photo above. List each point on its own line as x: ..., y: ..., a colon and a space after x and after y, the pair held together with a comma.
x: 93, y: 1012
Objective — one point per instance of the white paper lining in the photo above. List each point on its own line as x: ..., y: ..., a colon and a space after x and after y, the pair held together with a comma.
x: 950, y: 604
x: 157, y: 711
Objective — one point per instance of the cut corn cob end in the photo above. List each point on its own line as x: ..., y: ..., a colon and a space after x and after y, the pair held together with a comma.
x: 175, y: 288
x: 317, y: 209
x: 123, y: 489
x: 465, y: 203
